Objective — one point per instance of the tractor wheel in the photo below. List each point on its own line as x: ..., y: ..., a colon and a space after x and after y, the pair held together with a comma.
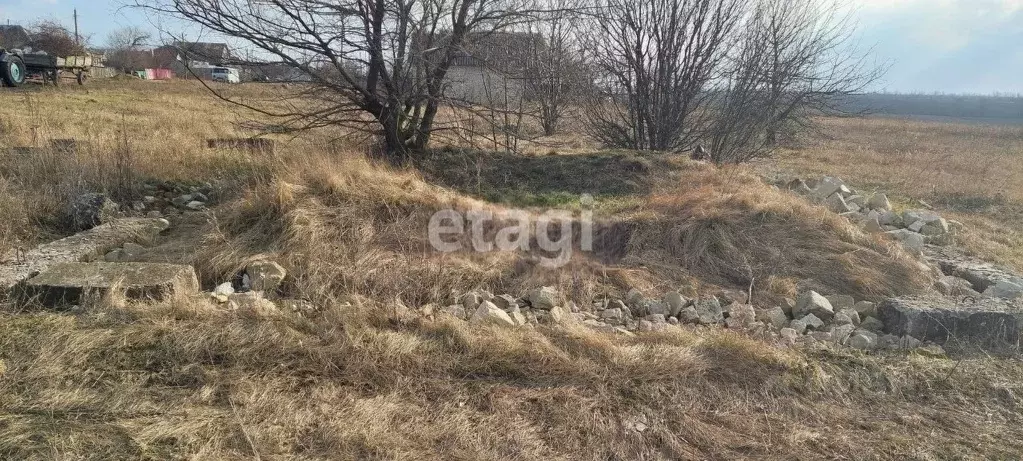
x: 13, y: 72
x: 82, y: 77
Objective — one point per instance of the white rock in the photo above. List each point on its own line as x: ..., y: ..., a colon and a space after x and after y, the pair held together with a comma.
x: 872, y: 324
x: 840, y: 301
x: 840, y: 333
x: 544, y: 298
x: 811, y: 302
x: 865, y: 309
x: 689, y: 315
x: 863, y: 340
x: 789, y: 335
x: 559, y: 315
x: 488, y: 313
x: 223, y: 292
x: 799, y: 326
x: 829, y: 186
x: 911, y: 240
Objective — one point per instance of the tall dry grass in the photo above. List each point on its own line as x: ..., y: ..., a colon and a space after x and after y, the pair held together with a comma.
x: 188, y: 381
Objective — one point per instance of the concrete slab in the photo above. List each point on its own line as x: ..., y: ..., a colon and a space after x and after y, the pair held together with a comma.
x: 69, y: 283
x: 82, y: 247
x: 988, y: 323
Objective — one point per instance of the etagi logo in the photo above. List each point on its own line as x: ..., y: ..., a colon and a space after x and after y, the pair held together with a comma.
x: 553, y: 230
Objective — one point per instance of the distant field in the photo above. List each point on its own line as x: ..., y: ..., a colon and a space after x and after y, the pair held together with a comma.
x: 973, y: 171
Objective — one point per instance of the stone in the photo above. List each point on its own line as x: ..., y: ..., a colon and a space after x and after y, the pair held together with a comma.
x: 505, y: 302
x: 788, y: 305
x: 851, y: 314
x: 951, y: 285
x: 90, y: 210
x: 842, y: 318
x: 689, y: 316
x: 84, y: 246
x: 863, y: 340
x: 223, y: 292
x: 299, y: 306
x: 873, y: 225
x: 879, y: 202
x: 774, y: 316
x: 489, y: 314
x: 544, y: 298
x: 986, y: 322
x: 911, y: 240
x: 182, y: 200
x: 837, y: 204
x: 811, y: 302
x: 858, y: 200
x: 673, y: 321
x: 70, y: 283
x: 829, y: 186
x: 840, y: 301
x: 822, y: 336
x: 676, y: 302
x: 656, y: 318
x: 154, y: 214
x: 936, y: 227
x: 866, y: 309
x: 1005, y: 289
x: 916, y: 226
x: 790, y: 335
x: 265, y: 275
x: 741, y: 316
x: 645, y: 325
x: 890, y: 218
x: 798, y: 326
x: 709, y: 311
x: 812, y: 322
x: 519, y: 318
x: 656, y: 308
x: 195, y: 205
x: 633, y: 297
x: 559, y: 315
x: 252, y: 303
x: 872, y: 324
x: 471, y: 301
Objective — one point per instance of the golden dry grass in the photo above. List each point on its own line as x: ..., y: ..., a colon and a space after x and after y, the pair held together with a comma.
x: 970, y: 171
x: 370, y: 378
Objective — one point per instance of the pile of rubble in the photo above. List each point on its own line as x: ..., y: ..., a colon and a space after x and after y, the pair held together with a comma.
x: 873, y: 212
x: 810, y: 318
x: 162, y: 199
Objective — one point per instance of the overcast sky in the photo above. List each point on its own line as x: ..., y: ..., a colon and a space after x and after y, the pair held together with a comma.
x: 957, y: 46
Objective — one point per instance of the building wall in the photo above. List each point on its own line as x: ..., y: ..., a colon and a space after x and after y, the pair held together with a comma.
x: 482, y: 86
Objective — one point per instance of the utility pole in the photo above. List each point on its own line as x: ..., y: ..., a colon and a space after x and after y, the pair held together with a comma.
x: 77, y: 41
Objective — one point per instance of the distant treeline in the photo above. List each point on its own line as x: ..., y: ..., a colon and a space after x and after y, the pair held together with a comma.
x: 1007, y: 108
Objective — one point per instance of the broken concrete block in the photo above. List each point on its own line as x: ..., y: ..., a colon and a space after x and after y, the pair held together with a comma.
x: 70, y: 283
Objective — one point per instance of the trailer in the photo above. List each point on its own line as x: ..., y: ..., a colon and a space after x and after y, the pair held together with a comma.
x: 16, y: 66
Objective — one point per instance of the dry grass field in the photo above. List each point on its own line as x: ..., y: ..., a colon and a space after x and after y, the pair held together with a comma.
x: 970, y: 171
x: 369, y: 378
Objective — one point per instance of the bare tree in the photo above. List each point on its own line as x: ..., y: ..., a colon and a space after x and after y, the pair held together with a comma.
x: 126, y: 47
x: 654, y: 60
x: 403, y: 50
x: 555, y: 76
x: 811, y: 62
x: 55, y: 39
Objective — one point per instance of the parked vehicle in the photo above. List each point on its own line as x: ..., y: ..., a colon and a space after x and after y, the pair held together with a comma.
x: 12, y: 68
x: 17, y: 66
x: 226, y: 74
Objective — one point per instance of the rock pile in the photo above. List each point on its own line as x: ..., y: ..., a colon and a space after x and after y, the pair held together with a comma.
x: 255, y: 291
x: 913, y: 228
x: 173, y: 198
x: 810, y: 318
